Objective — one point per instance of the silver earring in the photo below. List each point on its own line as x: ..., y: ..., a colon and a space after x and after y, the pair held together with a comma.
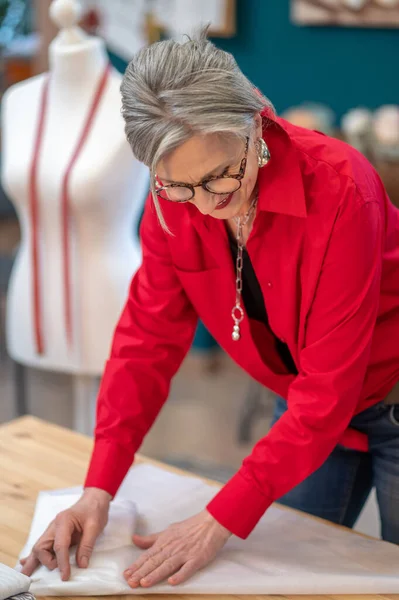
x: 263, y: 152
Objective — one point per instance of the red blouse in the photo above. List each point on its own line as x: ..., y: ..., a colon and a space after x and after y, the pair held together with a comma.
x: 325, y: 249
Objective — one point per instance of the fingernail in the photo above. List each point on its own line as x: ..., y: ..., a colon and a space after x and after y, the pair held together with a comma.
x: 84, y: 561
x: 133, y: 582
x: 128, y: 572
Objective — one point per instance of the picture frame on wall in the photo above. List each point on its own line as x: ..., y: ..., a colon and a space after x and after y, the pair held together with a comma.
x: 225, y: 24
x: 185, y: 16
x: 349, y: 13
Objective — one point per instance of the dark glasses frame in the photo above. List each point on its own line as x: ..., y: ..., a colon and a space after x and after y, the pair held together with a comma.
x: 239, y: 176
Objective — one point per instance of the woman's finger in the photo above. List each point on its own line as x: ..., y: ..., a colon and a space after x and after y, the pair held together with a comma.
x: 30, y: 565
x: 145, y: 541
x: 86, y: 544
x: 187, y: 570
x: 46, y: 558
x: 52, y: 565
x: 62, y: 543
x: 152, y: 563
x: 22, y: 561
x: 167, y: 568
x: 138, y: 564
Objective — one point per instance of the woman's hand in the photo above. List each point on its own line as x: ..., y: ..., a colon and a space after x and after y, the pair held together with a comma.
x: 81, y: 524
x: 178, y: 552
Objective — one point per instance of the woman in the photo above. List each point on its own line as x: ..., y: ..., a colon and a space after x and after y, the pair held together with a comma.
x: 285, y: 244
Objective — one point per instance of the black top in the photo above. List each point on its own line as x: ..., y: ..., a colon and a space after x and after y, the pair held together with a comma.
x: 255, y: 305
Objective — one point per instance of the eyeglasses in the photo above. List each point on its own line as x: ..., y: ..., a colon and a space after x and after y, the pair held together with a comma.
x: 219, y: 185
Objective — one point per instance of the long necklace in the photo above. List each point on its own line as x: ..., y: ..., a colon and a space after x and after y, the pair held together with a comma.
x: 238, y: 313
x: 34, y: 210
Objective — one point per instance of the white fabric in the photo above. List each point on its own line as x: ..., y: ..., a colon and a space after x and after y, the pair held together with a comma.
x: 12, y: 582
x: 287, y: 553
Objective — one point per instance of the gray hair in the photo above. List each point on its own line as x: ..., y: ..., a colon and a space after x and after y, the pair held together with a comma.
x: 172, y: 91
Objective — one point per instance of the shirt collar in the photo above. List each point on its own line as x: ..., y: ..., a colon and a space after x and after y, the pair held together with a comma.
x: 280, y: 181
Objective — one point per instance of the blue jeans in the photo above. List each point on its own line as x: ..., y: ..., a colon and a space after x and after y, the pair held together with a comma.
x: 338, y: 490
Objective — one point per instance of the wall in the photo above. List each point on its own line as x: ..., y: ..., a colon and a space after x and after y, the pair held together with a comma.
x: 341, y: 67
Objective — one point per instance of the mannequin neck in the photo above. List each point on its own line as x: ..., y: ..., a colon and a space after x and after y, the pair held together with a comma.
x: 75, y: 66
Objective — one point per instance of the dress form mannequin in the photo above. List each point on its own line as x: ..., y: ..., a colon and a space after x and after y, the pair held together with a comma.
x: 106, y: 190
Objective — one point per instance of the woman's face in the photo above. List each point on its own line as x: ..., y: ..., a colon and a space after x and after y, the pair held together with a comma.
x: 211, y: 155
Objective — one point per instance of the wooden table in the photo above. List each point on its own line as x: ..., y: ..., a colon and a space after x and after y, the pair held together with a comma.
x: 34, y: 456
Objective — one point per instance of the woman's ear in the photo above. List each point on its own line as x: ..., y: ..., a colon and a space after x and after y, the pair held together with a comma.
x: 258, y: 125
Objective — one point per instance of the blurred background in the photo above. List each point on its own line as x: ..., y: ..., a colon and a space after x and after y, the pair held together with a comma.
x: 330, y: 65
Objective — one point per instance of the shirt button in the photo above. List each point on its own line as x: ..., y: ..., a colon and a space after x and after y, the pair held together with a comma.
x: 269, y: 284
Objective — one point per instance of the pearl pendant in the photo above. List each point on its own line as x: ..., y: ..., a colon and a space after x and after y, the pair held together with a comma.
x: 236, y: 333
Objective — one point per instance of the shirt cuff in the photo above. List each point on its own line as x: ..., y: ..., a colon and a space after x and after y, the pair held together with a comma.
x: 108, y: 466
x: 239, y: 505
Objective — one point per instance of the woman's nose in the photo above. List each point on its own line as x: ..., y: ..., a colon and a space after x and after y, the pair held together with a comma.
x: 204, y: 201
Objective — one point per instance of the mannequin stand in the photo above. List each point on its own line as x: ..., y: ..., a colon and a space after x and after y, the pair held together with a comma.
x: 84, y: 394
x: 19, y: 376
